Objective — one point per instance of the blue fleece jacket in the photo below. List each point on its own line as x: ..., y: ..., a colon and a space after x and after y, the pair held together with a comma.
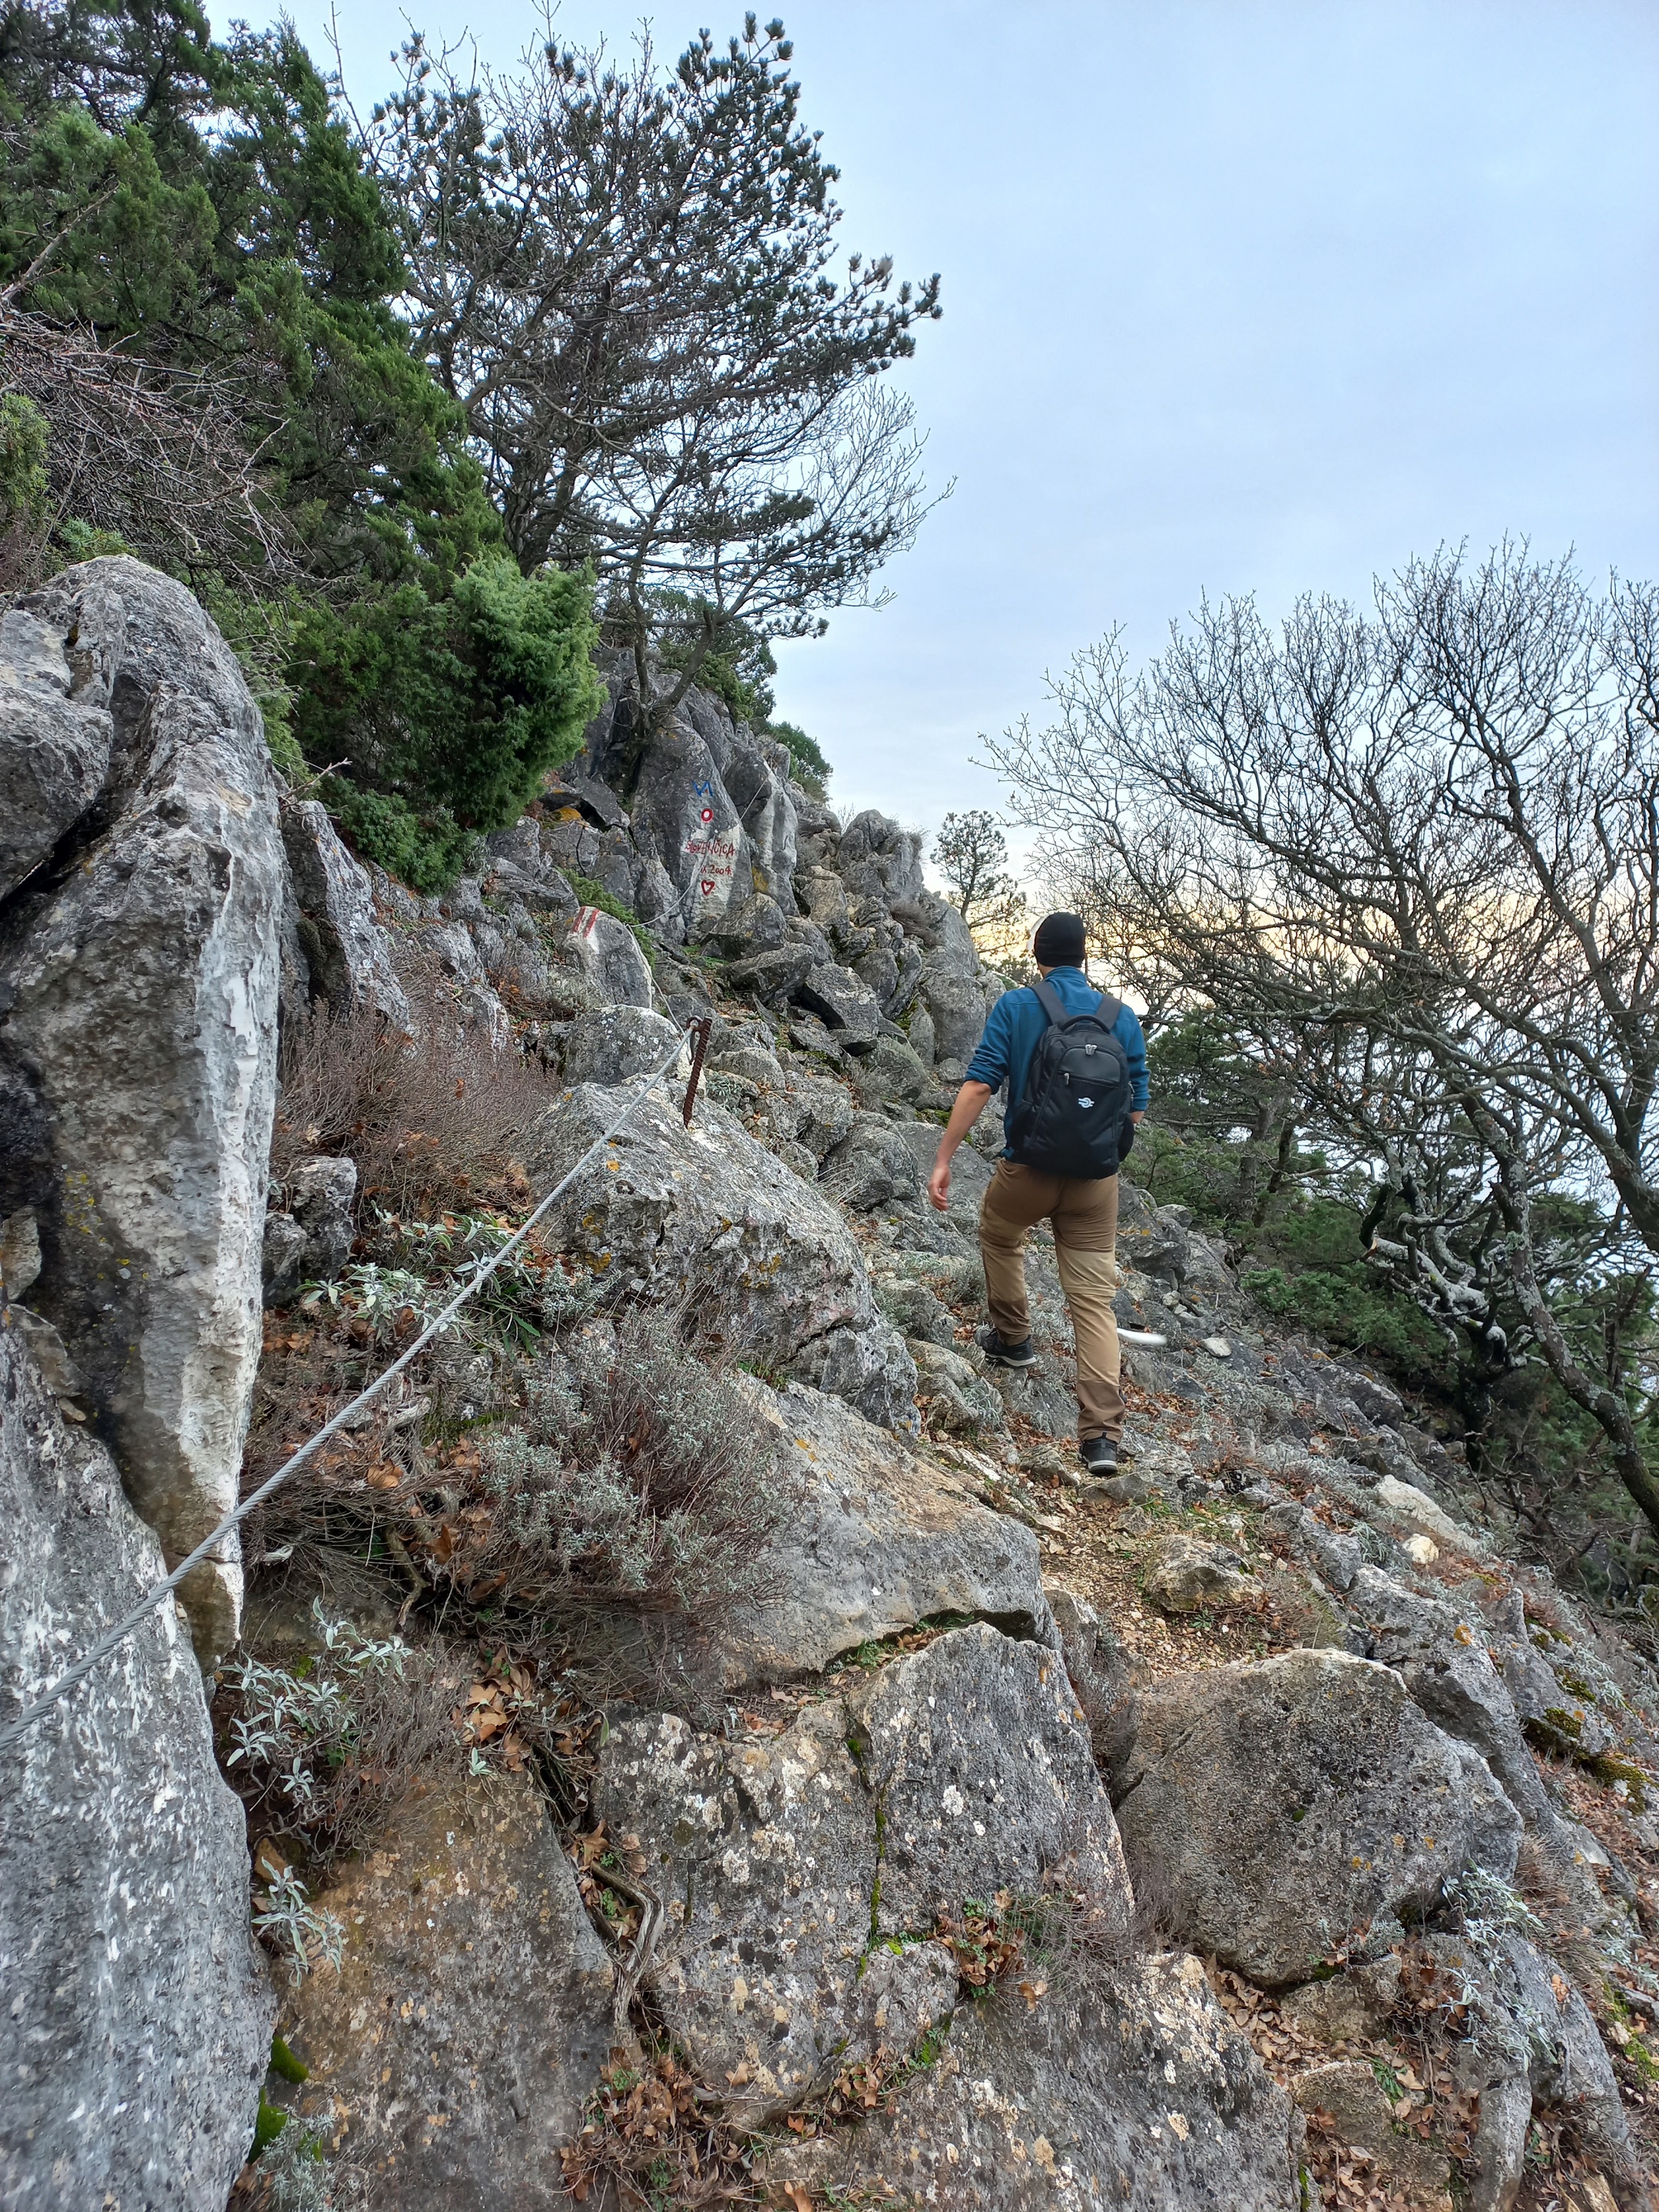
x: 1017, y: 1021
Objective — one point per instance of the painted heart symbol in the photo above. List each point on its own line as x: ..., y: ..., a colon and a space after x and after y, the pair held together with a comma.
x: 707, y: 885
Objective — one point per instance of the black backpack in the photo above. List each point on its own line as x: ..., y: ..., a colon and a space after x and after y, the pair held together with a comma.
x: 1073, y: 1118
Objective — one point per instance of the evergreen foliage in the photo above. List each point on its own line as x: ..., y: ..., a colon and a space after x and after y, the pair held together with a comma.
x: 226, y: 349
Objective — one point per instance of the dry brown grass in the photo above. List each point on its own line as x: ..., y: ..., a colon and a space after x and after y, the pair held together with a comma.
x: 431, y: 1119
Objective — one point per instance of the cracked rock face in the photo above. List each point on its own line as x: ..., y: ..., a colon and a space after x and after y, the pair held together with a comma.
x: 881, y: 1537
x: 137, y: 2019
x: 138, y: 996
x: 709, y: 1215
x: 1291, y: 1805
x: 1131, y: 2090
x: 450, y: 2055
x: 782, y: 1861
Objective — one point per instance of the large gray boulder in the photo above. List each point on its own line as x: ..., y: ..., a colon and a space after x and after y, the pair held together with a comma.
x: 1292, y: 1806
x: 608, y: 959
x: 779, y: 1858
x: 872, y: 1165
x: 348, y: 954
x: 618, y: 1045
x: 55, y: 733
x: 139, y: 982
x: 955, y: 1004
x: 472, y: 2013
x: 881, y: 1537
x: 1531, y: 2040
x: 310, y: 1233
x: 877, y: 859
x: 980, y: 1756
x: 705, y: 803
x: 842, y: 1001
x: 707, y: 1217
x: 1440, y: 1650
x: 137, y: 2019
x: 1129, y: 2089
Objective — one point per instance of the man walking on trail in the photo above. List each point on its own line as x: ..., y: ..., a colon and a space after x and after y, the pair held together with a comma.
x: 1074, y: 1062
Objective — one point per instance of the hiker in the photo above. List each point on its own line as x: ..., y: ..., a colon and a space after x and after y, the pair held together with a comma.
x: 1074, y: 1061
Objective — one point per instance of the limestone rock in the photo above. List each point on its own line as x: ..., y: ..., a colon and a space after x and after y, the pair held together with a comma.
x: 681, y: 810
x: 1186, y: 1576
x: 963, y: 1402
x: 766, y: 1850
x: 1419, y: 1512
x: 1338, y: 1558
x: 912, y: 1306
x: 1349, y: 2094
x: 880, y: 1538
x: 139, y: 1049
x: 1542, y: 1701
x: 137, y: 2021
x: 608, y: 959
x: 1292, y: 1804
x: 348, y: 952
x: 316, y: 1197
x: 1443, y: 1658
x: 772, y: 978
x: 844, y: 1003
x: 1099, y: 1669
x: 1349, y: 2006
x: 1152, y: 1240
x: 871, y: 1166
x: 763, y: 1854
x: 616, y: 1045
x: 1132, y: 2092
x: 870, y: 1368
x: 877, y: 859
x: 450, y: 2055
x: 20, y: 1252
x: 1534, y: 2039
x: 707, y: 1215
x: 955, y: 1007
x: 54, y: 738
x: 978, y: 1750
x: 890, y: 1069
x: 748, y: 927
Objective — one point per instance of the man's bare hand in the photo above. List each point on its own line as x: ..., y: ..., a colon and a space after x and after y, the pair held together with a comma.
x: 939, y: 1184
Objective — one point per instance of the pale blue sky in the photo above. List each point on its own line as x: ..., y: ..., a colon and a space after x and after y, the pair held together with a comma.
x: 1240, y: 295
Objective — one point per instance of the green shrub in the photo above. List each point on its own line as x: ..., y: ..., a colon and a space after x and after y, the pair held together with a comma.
x: 426, y: 851
x: 447, y: 713
x: 24, y: 438
x: 811, y: 770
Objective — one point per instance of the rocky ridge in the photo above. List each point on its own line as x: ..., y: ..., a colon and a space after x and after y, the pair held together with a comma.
x: 1246, y: 1830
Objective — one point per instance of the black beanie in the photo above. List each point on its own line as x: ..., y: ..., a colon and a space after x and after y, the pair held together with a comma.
x: 1061, y: 941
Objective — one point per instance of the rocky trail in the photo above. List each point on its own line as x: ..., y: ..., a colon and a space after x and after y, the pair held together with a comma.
x: 700, y: 1742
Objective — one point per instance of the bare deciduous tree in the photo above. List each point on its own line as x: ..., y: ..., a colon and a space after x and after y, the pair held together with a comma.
x: 156, y: 453
x: 1417, y: 851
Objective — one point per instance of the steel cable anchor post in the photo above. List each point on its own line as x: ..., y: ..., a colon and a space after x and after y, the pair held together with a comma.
x: 700, y: 1031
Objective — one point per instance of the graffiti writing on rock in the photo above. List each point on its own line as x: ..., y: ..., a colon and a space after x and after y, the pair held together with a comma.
x: 714, y: 856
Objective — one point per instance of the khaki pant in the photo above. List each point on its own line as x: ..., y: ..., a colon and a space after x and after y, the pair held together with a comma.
x: 1084, y: 1219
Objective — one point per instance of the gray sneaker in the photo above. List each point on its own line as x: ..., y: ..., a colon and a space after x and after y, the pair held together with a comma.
x: 1099, y: 1455
x: 1000, y: 1353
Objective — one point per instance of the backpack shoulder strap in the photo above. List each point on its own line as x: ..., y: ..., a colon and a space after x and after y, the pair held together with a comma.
x: 1105, y: 1010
